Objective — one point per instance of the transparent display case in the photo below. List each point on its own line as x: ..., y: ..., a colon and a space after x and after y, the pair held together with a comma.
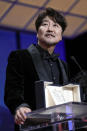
x: 65, y: 117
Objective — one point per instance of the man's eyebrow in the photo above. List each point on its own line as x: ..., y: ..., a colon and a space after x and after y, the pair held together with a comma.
x: 48, y: 21
x: 45, y: 21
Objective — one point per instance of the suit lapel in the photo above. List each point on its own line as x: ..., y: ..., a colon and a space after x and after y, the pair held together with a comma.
x: 38, y: 63
x: 63, y: 73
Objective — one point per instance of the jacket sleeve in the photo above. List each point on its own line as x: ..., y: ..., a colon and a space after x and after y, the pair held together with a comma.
x: 14, y: 84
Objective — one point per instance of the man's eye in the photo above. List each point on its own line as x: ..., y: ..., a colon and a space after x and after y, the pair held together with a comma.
x: 55, y: 25
x: 44, y: 24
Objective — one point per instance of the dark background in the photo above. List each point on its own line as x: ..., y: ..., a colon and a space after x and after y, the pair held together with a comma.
x: 77, y: 47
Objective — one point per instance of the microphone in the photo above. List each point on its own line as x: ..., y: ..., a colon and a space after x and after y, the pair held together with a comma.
x: 78, y: 65
x: 81, y: 78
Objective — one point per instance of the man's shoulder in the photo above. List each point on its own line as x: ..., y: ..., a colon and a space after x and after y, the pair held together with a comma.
x: 22, y: 51
x: 19, y: 54
x: 18, y: 51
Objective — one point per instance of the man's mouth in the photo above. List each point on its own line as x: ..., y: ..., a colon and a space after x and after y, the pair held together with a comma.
x: 49, y: 35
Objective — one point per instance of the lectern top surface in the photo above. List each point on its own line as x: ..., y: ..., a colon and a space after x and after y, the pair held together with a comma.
x: 70, y: 109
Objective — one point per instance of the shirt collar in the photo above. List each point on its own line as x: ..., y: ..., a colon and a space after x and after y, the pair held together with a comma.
x: 45, y: 54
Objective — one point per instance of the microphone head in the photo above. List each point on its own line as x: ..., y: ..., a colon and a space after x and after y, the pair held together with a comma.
x: 76, y: 62
x: 73, y: 58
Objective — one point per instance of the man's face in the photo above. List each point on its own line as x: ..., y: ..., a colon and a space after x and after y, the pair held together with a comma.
x: 49, y: 32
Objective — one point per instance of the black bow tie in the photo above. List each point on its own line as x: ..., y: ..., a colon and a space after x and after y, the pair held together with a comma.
x: 52, y: 57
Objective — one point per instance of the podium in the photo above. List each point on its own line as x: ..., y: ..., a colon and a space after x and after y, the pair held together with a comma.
x: 71, y: 116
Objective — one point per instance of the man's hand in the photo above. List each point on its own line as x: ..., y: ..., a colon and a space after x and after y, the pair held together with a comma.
x: 20, y: 115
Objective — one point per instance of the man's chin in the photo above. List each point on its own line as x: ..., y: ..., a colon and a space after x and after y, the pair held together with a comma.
x: 50, y: 43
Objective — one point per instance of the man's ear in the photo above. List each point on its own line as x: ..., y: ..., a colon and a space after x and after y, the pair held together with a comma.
x: 61, y: 37
x: 37, y: 35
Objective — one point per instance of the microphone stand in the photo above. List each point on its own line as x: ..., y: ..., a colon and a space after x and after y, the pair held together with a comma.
x: 81, y: 79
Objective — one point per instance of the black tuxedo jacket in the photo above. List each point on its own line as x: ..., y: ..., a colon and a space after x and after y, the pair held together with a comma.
x: 23, y: 69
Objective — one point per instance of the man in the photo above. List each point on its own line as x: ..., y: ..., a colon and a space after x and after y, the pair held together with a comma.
x: 38, y: 62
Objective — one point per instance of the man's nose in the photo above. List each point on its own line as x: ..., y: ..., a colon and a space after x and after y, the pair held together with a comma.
x: 50, y: 28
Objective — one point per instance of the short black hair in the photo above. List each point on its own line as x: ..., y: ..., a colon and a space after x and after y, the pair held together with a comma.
x: 58, y: 17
